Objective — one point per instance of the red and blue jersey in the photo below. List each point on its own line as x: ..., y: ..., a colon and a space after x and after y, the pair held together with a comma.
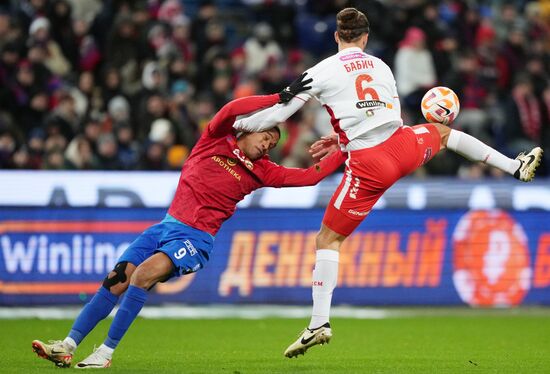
x: 217, y: 174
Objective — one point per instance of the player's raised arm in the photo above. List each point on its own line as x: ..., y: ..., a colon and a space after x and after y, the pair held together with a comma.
x: 281, y: 176
x: 223, y: 121
x: 290, y: 102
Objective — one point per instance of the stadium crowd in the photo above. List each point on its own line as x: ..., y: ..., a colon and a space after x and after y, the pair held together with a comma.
x: 130, y: 85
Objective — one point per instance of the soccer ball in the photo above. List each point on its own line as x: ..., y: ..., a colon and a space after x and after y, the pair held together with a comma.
x: 441, y: 105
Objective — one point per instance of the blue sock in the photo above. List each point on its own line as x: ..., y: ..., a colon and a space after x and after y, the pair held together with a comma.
x: 129, y: 308
x: 97, y: 309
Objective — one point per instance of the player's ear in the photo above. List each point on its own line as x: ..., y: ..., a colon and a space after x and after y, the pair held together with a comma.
x: 336, y: 38
x: 366, y: 40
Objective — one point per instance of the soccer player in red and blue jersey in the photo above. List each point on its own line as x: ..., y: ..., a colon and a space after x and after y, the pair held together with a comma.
x: 226, y: 164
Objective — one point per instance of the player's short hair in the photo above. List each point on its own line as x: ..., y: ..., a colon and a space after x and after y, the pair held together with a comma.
x: 278, y: 130
x: 275, y: 128
x: 351, y: 24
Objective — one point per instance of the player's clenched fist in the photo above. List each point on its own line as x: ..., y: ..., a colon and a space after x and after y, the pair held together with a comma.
x: 299, y: 85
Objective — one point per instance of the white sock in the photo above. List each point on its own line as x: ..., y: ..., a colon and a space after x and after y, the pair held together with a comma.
x: 325, y: 276
x: 106, y: 352
x: 475, y: 150
x: 70, y: 344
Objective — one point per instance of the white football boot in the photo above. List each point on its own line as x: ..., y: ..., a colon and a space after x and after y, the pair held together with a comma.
x: 308, y: 338
x: 97, y: 360
x: 55, y: 351
x: 529, y: 163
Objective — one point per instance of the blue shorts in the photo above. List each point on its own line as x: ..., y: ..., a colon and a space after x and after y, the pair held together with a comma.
x: 187, y: 247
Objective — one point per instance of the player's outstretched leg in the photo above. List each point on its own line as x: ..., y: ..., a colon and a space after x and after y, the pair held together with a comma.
x: 55, y: 351
x: 522, y: 167
x: 308, y: 338
x: 529, y: 163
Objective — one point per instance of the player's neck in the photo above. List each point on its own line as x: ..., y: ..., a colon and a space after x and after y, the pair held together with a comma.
x: 342, y: 46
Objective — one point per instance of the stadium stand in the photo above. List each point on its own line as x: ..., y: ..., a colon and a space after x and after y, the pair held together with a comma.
x: 129, y: 85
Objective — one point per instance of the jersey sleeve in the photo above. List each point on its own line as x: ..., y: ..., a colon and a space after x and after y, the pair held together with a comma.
x: 270, y: 117
x: 281, y: 176
x: 223, y: 121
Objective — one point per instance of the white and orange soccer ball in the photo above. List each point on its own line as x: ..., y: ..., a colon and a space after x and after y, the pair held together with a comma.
x: 441, y: 105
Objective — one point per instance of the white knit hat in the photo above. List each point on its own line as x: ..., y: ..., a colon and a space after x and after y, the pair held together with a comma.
x: 160, y: 128
x: 39, y: 23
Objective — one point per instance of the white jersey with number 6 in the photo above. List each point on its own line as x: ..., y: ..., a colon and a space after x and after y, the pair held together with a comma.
x: 357, y: 90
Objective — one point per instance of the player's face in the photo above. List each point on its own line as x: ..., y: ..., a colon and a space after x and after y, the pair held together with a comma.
x: 257, y: 144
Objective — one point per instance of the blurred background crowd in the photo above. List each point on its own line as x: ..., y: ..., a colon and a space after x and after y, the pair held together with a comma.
x: 130, y: 85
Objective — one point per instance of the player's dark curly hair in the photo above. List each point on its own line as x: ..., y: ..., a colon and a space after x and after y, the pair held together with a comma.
x: 351, y: 24
x: 275, y: 128
x: 278, y: 130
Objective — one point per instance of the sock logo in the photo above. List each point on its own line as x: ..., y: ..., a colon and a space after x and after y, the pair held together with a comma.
x: 317, y: 283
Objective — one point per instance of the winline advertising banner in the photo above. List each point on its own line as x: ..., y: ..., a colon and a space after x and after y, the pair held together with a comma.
x: 266, y: 256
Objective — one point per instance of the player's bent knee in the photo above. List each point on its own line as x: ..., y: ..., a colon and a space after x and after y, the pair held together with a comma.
x: 444, y: 132
x: 118, y: 279
x: 142, y: 278
x: 329, y: 239
x: 155, y: 269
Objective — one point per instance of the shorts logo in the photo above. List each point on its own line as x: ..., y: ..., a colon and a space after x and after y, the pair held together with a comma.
x: 356, y: 213
x: 190, y: 247
x: 180, y: 253
x: 355, y: 188
x: 191, y: 270
x: 317, y: 283
x: 427, y: 155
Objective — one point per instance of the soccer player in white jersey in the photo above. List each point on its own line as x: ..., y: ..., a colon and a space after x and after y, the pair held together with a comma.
x: 359, y: 93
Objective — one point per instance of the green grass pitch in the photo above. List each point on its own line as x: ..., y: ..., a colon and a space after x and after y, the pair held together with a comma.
x: 479, y: 343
